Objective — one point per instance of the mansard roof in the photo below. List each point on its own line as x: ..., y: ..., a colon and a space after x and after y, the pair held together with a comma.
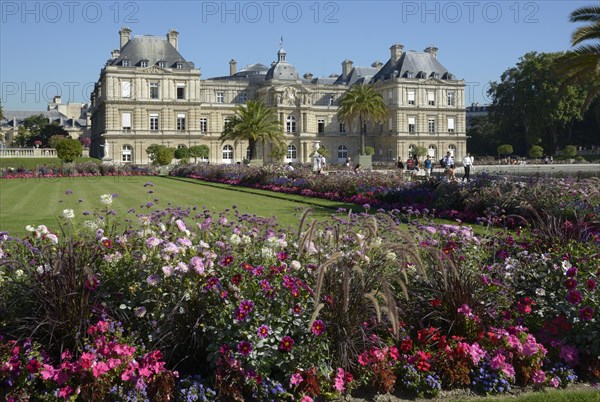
x: 358, y: 75
x: 419, y: 64
x: 150, y: 48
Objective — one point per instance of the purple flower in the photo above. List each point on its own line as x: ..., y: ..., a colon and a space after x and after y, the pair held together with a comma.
x: 571, y: 272
x: 318, y: 327
x: 574, y: 297
x: 586, y: 313
x: 246, y: 306
x: 69, y: 192
x: 244, y: 348
x: 286, y: 343
x: 153, y: 280
x: 263, y: 331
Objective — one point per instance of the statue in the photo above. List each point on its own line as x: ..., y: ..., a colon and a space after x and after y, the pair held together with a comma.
x: 106, y: 152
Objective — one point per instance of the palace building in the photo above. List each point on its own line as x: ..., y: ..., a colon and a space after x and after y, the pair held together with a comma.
x: 148, y: 93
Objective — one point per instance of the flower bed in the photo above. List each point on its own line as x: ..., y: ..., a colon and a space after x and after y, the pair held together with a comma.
x: 77, y: 170
x: 244, y: 310
x: 505, y: 200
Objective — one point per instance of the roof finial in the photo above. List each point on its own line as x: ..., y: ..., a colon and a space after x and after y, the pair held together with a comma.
x: 281, y: 43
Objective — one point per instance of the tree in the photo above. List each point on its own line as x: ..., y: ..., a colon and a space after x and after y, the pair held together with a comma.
x: 420, y: 151
x: 254, y: 122
x: 505, y: 150
x: 182, y: 153
x: 22, y: 136
x: 1, y: 112
x: 68, y: 150
x: 570, y: 151
x: 55, y: 139
x: 163, y: 155
x: 199, y: 151
x: 530, y: 104
x: 151, y: 151
x: 536, y: 152
x: 49, y: 131
x: 581, y: 65
x: 369, y: 151
x: 364, y: 104
x: 482, y: 136
x: 35, y: 124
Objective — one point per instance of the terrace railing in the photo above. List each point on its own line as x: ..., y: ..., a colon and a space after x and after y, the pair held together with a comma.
x: 27, y: 153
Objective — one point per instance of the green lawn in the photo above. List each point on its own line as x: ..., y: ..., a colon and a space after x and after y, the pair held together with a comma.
x: 32, y: 163
x: 572, y: 394
x: 41, y: 201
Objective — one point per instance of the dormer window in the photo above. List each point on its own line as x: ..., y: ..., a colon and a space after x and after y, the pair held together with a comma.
x: 435, y: 75
x: 331, y: 100
x: 162, y: 63
x: 179, y: 65
x: 144, y: 63
x: 410, y: 74
x: 125, y: 63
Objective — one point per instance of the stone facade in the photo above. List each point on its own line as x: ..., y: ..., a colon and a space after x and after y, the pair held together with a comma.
x: 148, y: 94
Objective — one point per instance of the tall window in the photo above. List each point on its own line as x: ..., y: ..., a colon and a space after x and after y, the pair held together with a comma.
x: 292, y: 152
x: 126, y: 89
x: 411, y: 96
x: 452, y: 149
x: 450, y: 98
x: 180, y: 121
x: 243, y: 97
x: 248, y: 153
x: 227, y: 154
x: 342, y: 152
x: 180, y: 91
x: 290, y: 125
x: 450, y: 124
x: 220, y: 97
x: 343, y: 128
x: 321, y: 126
x: 179, y: 66
x: 411, y: 151
x: 390, y: 125
x: 154, y: 90
x: 431, y: 151
x: 226, y: 121
x: 153, y: 121
x: 203, y: 124
x: 126, y: 152
x: 162, y: 64
x: 126, y: 121
x: 144, y: 63
x: 431, y: 98
x: 412, y: 126
x: 431, y: 124
x: 125, y: 63
x: 331, y: 100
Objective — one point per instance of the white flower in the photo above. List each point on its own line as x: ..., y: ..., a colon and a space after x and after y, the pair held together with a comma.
x: 295, y: 264
x: 19, y: 272
x: 566, y: 265
x: 235, y: 239
x: 90, y: 225
x: 106, y: 199
x: 267, y: 252
x: 30, y: 228
x: 391, y: 256
x: 540, y: 292
x: 52, y: 237
x: 68, y: 214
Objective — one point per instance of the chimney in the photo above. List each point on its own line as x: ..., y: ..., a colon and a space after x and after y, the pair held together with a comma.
x: 115, y: 54
x: 432, y: 50
x: 56, y: 99
x: 346, y: 68
x: 172, y: 37
x: 396, y: 53
x: 377, y: 64
x: 308, y: 76
x: 232, y: 67
x: 124, y: 35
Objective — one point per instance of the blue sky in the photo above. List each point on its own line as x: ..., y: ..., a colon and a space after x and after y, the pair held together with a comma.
x: 56, y: 47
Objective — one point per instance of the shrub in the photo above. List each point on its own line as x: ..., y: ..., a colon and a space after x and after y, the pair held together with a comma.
x: 68, y: 149
x: 369, y: 150
x: 505, y: 149
x: 570, y: 151
x: 536, y: 152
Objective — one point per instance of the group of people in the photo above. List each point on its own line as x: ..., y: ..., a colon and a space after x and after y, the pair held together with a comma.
x: 447, y: 163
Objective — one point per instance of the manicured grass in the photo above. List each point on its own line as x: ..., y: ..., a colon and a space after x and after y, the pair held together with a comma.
x: 41, y: 201
x: 33, y: 163
x: 591, y: 394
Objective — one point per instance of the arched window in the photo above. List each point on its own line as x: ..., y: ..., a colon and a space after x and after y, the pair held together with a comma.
x: 431, y: 151
x: 227, y: 154
x: 342, y: 153
x: 452, y: 149
x: 292, y: 153
x: 411, y: 150
x: 290, y: 126
x: 181, y: 146
x: 126, y: 153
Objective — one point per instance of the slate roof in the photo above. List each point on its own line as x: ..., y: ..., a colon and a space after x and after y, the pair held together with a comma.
x: 282, y: 70
x: 252, y: 73
x: 151, y: 48
x: 53, y: 116
x: 415, y: 63
x: 358, y: 75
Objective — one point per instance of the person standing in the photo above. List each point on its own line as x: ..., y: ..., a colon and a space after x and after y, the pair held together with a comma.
x: 428, y: 166
x: 467, y: 163
x: 450, y: 168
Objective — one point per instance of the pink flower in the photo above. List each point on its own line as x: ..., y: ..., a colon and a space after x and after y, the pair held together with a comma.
x: 318, y: 327
x: 530, y: 347
x: 555, y: 382
x: 340, y: 379
x: 263, y: 331
x: 477, y: 353
x: 99, y: 369
x: 296, y: 379
x: 306, y: 398
x: 574, y: 297
x: 466, y: 310
x: 539, y: 377
x: 244, y: 348
x: 569, y: 354
x: 65, y: 391
x: 48, y: 372
x: 286, y: 343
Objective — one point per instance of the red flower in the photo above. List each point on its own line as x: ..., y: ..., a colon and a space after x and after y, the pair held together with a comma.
x: 286, y: 343
x: 318, y: 327
x: 435, y: 303
x: 406, y: 345
x: 244, y: 348
x: 586, y: 313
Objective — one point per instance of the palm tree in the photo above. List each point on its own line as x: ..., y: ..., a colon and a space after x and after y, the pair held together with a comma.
x: 254, y: 122
x: 362, y: 103
x: 582, y: 64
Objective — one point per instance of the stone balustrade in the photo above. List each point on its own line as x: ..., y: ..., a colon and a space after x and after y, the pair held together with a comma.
x: 27, y: 153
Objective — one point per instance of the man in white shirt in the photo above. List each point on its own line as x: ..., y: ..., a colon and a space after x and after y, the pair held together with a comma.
x: 467, y: 163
